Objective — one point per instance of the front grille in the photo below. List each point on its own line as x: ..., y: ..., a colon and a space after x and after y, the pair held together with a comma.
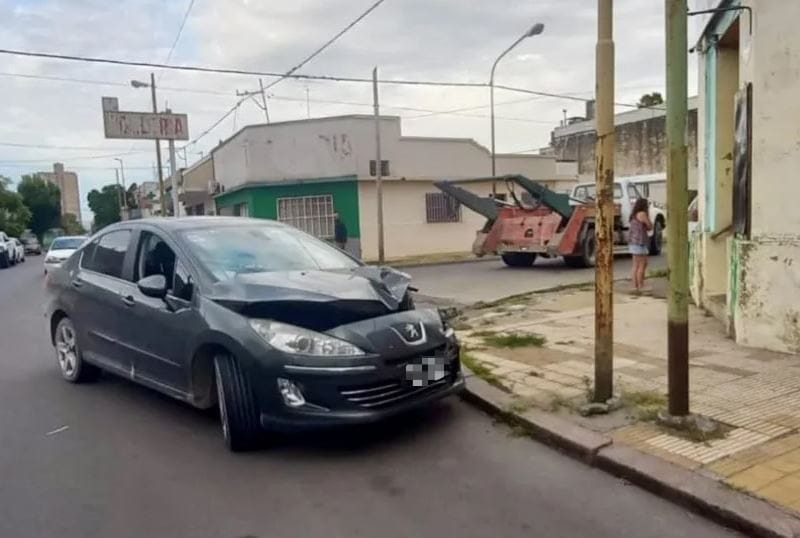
x: 386, y: 393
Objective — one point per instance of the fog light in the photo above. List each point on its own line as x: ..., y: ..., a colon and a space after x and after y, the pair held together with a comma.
x: 291, y: 393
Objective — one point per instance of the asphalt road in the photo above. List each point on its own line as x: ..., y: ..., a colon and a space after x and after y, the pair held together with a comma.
x: 115, y: 460
x: 469, y: 282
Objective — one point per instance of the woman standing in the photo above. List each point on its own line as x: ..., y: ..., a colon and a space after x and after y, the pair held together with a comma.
x: 638, y: 241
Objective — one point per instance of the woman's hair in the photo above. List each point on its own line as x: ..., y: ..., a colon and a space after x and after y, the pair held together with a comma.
x: 640, y: 205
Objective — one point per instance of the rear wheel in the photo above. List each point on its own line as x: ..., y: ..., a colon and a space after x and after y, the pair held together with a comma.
x: 587, y: 252
x: 657, y: 240
x: 518, y: 259
x: 237, y: 408
x: 70, y: 361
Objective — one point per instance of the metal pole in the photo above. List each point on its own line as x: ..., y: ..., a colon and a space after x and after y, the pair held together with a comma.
x: 176, y: 209
x: 491, y: 101
x: 158, y: 146
x: 677, y: 209
x: 378, y: 177
x: 124, y: 190
x: 604, y: 220
x: 119, y: 192
x: 264, y: 99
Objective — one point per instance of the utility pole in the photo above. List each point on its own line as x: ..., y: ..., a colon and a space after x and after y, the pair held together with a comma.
x: 264, y: 99
x: 378, y: 177
x: 604, y: 219
x: 158, y: 145
x: 677, y: 209
x: 119, y: 192
x: 176, y: 210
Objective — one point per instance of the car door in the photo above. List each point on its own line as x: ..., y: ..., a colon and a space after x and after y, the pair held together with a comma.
x: 98, y: 307
x: 161, y: 331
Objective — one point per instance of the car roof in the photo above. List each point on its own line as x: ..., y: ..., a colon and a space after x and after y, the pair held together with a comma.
x: 191, y: 223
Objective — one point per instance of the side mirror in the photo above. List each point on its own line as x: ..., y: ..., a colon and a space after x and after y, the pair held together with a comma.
x: 153, y: 286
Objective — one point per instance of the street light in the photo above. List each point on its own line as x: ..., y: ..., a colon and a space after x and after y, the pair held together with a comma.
x: 536, y: 29
x: 138, y: 84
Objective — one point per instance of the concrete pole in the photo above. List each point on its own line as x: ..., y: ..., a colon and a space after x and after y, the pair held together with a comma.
x: 119, y: 192
x: 264, y: 99
x: 378, y: 177
x: 604, y: 221
x: 491, y: 106
x: 158, y: 145
x: 176, y: 209
x: 677, y: 209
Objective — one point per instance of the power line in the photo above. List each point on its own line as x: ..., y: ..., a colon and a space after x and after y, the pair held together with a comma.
x: 46, y: 146
x: 327, y: 43
x: 180, y: 30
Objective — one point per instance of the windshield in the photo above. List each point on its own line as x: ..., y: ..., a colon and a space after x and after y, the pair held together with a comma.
x: 67, y: 243
x: 228, y: 251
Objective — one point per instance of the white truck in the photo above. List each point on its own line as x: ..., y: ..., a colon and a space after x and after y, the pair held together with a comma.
x: 625, y: 195
x: 8, y: 251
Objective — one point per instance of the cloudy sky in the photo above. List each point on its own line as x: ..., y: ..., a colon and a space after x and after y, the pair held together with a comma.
x: 55, y: 105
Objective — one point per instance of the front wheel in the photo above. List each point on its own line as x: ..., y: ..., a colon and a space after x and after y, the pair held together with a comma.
x: 657, y: 240
x: 239, y: 415
x: 4, y: 260
x: 519, y: 259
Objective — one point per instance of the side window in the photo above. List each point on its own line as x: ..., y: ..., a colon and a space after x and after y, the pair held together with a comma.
x: 633, y: 192
x: 182, y: 286
x: 107, y: 254
x: 154, y: 257
x: 617, y: 191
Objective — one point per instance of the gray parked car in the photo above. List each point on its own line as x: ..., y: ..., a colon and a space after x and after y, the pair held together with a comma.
x: 278, y: 329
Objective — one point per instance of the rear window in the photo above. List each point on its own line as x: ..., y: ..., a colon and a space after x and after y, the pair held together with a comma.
x: 64, y: 243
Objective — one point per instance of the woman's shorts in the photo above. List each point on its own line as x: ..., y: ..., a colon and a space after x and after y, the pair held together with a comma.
x: 638, y: 250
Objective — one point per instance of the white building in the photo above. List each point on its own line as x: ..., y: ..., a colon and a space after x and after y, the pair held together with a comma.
x: 302, y: 172
x: 746, y: 252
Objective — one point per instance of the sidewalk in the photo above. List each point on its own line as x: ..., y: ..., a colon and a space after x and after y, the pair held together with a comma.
x: 540, y: 347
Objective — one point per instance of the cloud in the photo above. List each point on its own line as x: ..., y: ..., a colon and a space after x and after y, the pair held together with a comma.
x: 409, y: 39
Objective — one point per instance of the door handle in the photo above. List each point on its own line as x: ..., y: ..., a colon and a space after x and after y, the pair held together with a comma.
x: 128, y: 300
x: 77, y: 283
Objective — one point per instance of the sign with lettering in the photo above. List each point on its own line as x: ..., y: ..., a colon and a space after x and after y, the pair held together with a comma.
x: 142, y: 125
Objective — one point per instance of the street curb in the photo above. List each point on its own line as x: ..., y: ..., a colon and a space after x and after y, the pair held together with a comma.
x: 704, y: 495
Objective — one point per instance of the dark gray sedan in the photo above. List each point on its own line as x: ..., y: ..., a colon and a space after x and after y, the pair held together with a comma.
x: 278, y: 329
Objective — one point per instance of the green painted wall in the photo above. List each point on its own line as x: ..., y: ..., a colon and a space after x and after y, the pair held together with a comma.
x: 263, y: 199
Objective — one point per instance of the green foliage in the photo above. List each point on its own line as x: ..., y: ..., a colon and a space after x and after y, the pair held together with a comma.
x: 14, y: 215
x: 514, y: 340
x: 44, y: 201
x: 105, y: 205
x: 650, y: 99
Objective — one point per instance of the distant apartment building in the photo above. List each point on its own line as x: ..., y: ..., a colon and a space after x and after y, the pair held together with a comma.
x: 67, y: 183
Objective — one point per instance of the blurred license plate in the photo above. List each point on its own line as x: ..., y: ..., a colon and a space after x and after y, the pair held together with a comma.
x: 427, y: 370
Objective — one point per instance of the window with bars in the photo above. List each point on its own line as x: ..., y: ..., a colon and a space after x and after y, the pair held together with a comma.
x: 384, y: 168
x: 312, y: 214
x: 441, y: 207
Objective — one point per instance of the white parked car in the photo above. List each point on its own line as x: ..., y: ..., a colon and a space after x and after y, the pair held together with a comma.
x: 19, y: 250
x: 61, y: 249
x: 7, y: 251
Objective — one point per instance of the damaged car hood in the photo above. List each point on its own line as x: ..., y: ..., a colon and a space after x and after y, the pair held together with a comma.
x: 315, y: 299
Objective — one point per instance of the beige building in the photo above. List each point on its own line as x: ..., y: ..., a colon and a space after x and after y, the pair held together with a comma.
x: 306, y: 172
x: 67, y: 183
x: 746, y: 249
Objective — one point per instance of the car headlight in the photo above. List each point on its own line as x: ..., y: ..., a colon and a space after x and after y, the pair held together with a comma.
x: 51, y: 259
x: 299, y: 341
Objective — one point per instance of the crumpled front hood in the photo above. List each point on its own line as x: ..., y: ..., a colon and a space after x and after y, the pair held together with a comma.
x: 315, y: 299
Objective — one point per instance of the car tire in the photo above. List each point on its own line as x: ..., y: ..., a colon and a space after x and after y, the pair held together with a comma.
x: 239, y: 415
x: 68, y: 355
x: 657, y: 241
x: 587, y: 252
x: 4, y: 260
x: 519, y: 259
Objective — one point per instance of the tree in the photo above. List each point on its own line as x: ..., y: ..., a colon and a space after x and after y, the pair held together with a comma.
x: 44, y: 201
x: 14, y: 215
x: 105, y: 205
x: 650, y: 99
x: 132, y: 196
x: 71, y: 225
